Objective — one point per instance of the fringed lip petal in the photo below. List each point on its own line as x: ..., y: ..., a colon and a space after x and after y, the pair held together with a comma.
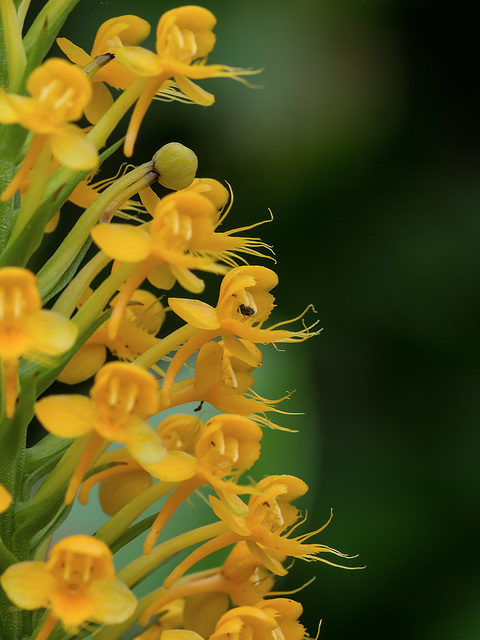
x: 67, y: 416
x: 122, y: 241
x: 195, y: 312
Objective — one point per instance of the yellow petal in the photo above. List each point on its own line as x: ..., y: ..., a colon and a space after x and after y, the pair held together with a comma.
x: 84, y: 364
x: 194, y: 92
x: 101, y: 102
x: 139, y: 60
x: 68, y: 416
x: 50, y: 333
x: 187, y: 279
x: 74, y: 54
x: 242, y: 350
x: 71, y: 147
x: 143, y: 443
x: 28, y: 584
x: 175, y: 467
x: 5, y: 499
x: 116, y: 492
x: 162, y: 277
x: 114, y: 602
x: 122, y: 241
x: 195, y: 312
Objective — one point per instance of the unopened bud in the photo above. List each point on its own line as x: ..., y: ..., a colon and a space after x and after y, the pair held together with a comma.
x: 176, y: 166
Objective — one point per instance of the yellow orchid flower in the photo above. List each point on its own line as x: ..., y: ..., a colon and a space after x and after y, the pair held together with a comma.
x: 26, y: 329
x: 182, y: 236
x: 244, y: 304
x: 228, y: 445
x: 125, y: 30
x: 136, y: 334
x: 77, y: 584
x: 226, y: 382
x: 275, y: 618
x: 242, y: 578
x: 59, y: 94
x: 264, y: 524
x: 179, y: 434
x: 184, y: 39
x: 122, y: 398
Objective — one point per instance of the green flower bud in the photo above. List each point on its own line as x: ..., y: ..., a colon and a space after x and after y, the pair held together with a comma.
x: 176, y: 166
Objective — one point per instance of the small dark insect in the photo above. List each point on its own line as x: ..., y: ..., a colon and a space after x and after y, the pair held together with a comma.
x: 246, y: 311
x: 199, y: 406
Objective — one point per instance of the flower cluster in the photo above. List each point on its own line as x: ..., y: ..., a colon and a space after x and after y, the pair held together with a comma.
x: 90, y: 320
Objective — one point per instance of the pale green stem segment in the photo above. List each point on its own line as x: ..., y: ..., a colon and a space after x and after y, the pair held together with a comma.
x: 16, y: 58
x: 22, y: 12
x: 120, y: 522
x: 34, y: 195
x: 55, y: 11
x: 167, y: 344
x: 50, y: 273
x: 72, y: 294
x: 138, y: 568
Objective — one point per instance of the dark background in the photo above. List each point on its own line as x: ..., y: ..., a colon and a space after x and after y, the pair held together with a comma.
x: 364, y: 142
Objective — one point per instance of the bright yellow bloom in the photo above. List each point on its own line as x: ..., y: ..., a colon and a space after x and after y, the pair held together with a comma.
x: 179, y: 434
x: 59, y: 94
x: 124, y: 30
x: 244, y: 304
x: 242, y: 578
x: 183, y: 41
x: 25, y: 329
x: 264, y: 524
x: 228, y: 445
x: 77, y: 584
x: 226, y: 382
x: 122, y: 398
x: 136, y: 334
x: 182, y: 236
x: 275, y: 619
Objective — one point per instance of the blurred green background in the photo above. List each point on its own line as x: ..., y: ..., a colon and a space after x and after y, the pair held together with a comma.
x: 364, y: 143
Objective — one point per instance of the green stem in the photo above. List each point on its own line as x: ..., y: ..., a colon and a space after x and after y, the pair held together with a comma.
x: 16, y: 58
x: 72, y: 294
x: 120, y: 522
x: 60, y: 261
x: 139, y: 568
x: 167, y: 344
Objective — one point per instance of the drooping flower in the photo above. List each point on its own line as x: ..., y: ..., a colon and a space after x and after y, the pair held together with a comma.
x: 26, y: 329
x: 184, y: 39
x: 244, y: 304
x: 77, y: 584
x: 228, y: 445
x: 124, y: 30
x: 179, y: 434
x: 122, y: 398
x: 182, y: 236
x: 226, y: 382
x: 265, y: 525
x: 136, y: 334
x: 59, y: 94
x: 242, y: 578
